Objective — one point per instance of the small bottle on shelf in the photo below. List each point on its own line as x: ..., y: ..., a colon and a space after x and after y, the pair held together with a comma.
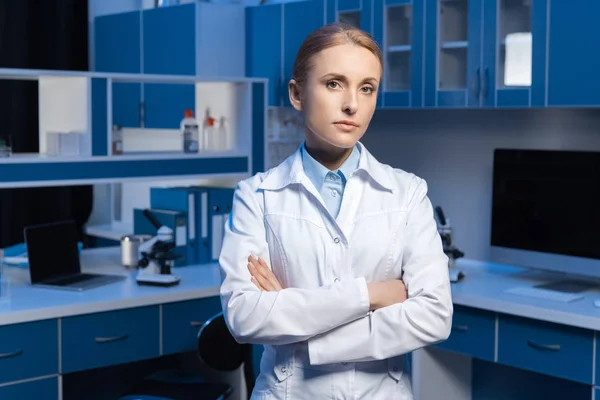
x: 221, y: 139
x: 208, y: 134
x: 189, y: 132
x: 117, y: 140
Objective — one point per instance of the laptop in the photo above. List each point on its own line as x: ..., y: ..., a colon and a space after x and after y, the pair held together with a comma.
x: 54, y: 258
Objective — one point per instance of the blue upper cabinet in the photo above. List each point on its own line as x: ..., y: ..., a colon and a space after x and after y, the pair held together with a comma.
x: 514, y: 53
x: 117, y: 48
x: 573, y: 54
x: 453, y: 40
x: 264, y: 32
x: 398, y: 29
x: 169, y: 43
x: 300, y: 19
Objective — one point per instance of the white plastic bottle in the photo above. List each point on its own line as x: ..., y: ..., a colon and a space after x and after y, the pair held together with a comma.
x: 208, y: 131
x: 190, y: 132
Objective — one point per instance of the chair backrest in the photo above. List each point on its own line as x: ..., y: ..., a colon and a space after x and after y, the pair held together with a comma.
x: 219, y: 350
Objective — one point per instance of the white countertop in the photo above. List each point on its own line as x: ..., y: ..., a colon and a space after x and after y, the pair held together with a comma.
x: 483, y: 288
x: 484, y: 284
x: 27, y: 303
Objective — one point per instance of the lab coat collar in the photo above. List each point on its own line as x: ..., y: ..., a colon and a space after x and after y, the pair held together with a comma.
x: 291, y: 171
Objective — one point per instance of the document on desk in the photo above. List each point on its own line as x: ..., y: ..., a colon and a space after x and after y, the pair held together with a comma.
x: 517, y: 65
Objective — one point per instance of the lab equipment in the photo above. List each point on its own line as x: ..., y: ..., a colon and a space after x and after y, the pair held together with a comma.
x: 130, y: 245
x: 157, y: 257
x: 189, y: 133
x: 53, y: 256
x: 452, y: 252
x: 208, y: 131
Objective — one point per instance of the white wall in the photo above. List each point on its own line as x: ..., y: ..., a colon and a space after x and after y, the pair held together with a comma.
x: 453, y: 151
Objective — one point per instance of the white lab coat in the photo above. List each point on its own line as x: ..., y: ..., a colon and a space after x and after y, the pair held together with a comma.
x: 321, y: 341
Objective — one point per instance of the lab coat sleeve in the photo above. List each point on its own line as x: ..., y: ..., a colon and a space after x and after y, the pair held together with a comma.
x: 424, y: 318
x: 287, y: 316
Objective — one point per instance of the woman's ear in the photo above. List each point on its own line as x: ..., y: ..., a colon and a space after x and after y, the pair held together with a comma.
x: 295, y: 96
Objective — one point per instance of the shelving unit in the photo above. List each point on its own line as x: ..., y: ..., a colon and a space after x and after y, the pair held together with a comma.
x: 71, y: 101
x: 453, y: 42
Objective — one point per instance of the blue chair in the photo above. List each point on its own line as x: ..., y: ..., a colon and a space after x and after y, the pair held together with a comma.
x: 218, y: 350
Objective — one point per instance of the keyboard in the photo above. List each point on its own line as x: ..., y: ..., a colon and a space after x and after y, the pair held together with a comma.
x: 545, y: 294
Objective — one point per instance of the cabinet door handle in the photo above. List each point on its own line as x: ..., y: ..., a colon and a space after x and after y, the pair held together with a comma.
x: 539, y: 346
x: 111, y: 339
x: 485, y: 88
x: 476, y: 85
x: 142, y: 114
x: 196, y: 323
x: 10, y: 355
x: 460, y: 328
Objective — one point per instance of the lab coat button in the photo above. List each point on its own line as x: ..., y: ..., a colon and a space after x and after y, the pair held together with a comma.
x: 344, y: 363
x: 336, y: 240
x: 283, y: 369
x: 395, y: 369
x: 333, y: 193
x: 337, y: 280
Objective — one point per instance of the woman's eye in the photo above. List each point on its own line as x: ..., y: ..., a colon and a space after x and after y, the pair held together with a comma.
x: 332, y: 85
x: 367, y: 89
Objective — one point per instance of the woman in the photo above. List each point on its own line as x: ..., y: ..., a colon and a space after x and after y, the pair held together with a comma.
x: 337, y: 236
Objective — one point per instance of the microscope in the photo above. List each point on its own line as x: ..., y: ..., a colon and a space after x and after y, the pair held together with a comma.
x: 452, y: 252
x: 157, y: 256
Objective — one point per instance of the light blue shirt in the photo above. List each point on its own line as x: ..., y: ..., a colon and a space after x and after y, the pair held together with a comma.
x: 330, y: 184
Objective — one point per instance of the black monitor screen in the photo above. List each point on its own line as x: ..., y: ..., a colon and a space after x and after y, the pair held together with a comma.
x: 547, y: 201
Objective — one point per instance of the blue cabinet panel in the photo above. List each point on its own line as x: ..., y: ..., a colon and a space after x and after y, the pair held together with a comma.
x: 301, y: 18
x: 117, y: 43
x: 170, y: 40
x: 164, y: 104
x: 475, y: 71
x: 573, y: 53
x: 46, y: 389
x: 117, y: 48
x: 263, y: 47
x: 258, y: 128
x: 473, y: 333
x: 28, y: 350
x: 377, y: 33
x: 109, y: 338
x: 348, y: 5
x: 127, y: 100
x: 552, y: 349
x: 181, y: 322
x: 539, y: 33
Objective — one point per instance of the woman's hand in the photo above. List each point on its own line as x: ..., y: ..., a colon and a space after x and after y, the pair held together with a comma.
x: 262, y: 276
x: 386, y: 293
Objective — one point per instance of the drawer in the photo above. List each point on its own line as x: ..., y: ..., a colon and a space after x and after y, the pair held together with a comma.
x: 473, y: 333
x: 109, y: 338
x: 552, y: 349
x: 46, y: 389
x: 181, y: 322
x: 28, y: 350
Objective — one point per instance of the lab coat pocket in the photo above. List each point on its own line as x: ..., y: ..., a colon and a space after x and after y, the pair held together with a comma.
x: 271, y: 384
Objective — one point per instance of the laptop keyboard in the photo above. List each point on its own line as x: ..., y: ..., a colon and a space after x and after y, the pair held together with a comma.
x: 68, y: 280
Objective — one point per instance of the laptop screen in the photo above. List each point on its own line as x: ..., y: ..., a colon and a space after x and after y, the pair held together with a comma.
x: 52, y: 250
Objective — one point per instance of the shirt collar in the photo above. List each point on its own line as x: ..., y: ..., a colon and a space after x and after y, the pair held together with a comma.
x: 292, y: 171
x: 317, y: 172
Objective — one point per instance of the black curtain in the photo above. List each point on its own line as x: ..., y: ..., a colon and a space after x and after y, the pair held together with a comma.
x: 38, y: 34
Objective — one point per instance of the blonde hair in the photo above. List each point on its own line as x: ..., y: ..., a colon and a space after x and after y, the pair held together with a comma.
x: 328, y: 36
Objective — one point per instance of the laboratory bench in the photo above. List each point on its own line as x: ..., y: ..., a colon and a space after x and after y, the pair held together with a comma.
x: 47, y: 333
x: 509, y: 346
x: 543, y: 347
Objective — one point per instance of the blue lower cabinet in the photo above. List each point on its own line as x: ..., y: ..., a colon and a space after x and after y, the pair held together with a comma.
x: 46, y: 389
x: 473, y: 333
x: 110, y: 338
x: 28, y: 350
x: 558, y: 350
x: 182, y: 321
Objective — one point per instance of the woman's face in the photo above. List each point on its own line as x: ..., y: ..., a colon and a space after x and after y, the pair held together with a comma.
x: 339, y: 95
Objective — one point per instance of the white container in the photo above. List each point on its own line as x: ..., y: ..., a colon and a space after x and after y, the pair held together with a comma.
x: 64, y: 144
x: 190, y: 133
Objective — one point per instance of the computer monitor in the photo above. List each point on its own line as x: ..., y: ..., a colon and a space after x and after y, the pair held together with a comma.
x: 546, y: 210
